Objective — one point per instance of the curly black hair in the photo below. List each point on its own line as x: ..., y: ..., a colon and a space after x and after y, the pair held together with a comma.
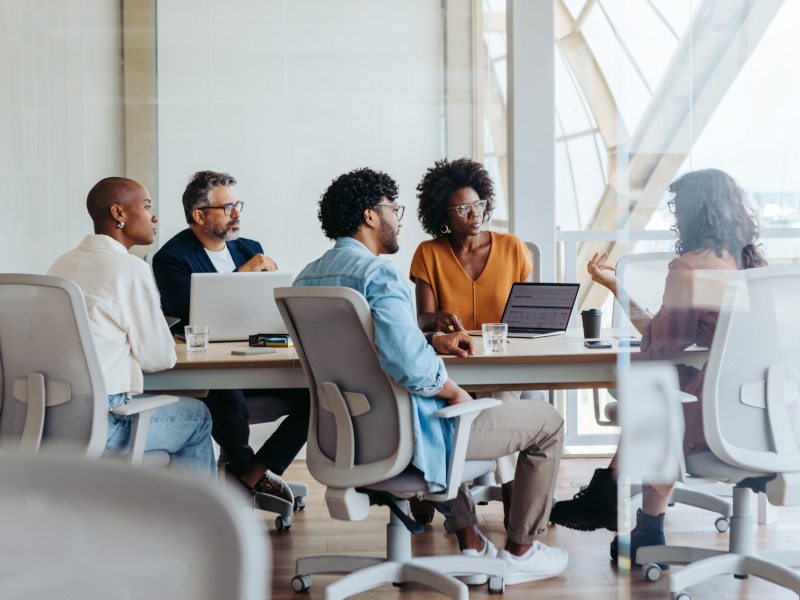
x: 712, y: 214
x: 439, y: 183
x: 342, y: 206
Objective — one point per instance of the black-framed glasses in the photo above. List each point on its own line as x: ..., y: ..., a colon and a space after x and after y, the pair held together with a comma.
x: 227, y: 208
x: 671, y: 206
x: 463, y: 210
x: 398, y: 209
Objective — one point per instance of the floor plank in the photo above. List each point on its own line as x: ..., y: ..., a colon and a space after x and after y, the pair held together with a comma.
x: 590, y: 575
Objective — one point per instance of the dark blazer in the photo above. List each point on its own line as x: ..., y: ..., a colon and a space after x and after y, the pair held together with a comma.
x: 183, y: 255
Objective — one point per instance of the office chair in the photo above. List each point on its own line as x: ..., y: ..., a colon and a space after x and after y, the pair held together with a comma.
x: 643, y: 277
x: 751, y: 401
x: 360, y: 445
x: 52, y: 387
x: 89, y: 530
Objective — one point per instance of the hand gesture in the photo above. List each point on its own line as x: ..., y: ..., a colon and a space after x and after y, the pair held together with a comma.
x: 601, y: 272
x: 259, y: 262
x: 446, y: 322
x: 455, y: 344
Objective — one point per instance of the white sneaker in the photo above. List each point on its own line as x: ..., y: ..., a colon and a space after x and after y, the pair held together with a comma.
x: 489, y: 551
x: 540, y: 562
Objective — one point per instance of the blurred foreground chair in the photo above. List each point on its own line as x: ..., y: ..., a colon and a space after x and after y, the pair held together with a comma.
x: 751, y: 406
x: 643, y: 277
x: 52, y: 387
x: 360, y: 445
x: 75, y: 529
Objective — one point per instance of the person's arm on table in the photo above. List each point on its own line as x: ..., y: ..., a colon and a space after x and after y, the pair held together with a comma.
x: 428, y: 318
x: 148, y: 334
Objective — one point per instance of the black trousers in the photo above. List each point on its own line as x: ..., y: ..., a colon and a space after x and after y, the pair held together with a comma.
x: 231, y: 414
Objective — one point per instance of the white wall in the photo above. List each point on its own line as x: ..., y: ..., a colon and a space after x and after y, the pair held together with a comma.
x: 286, y: 95
x: 61, y: 125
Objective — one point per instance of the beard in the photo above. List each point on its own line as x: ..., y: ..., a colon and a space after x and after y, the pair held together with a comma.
x: 224, y: 232
x: 387, y: 236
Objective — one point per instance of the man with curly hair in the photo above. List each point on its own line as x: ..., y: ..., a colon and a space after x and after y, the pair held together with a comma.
x: 359, y: 211
x: 211, y: 244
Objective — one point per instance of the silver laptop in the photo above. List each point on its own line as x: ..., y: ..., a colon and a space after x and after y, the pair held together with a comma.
x: 539, y: 309
x: 237, y: 305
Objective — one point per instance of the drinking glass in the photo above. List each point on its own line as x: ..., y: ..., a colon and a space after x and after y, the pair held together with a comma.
x: 196, y: 338
x: 494, y: 337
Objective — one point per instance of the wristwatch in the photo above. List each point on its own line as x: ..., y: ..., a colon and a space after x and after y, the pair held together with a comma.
x: 429, y: 336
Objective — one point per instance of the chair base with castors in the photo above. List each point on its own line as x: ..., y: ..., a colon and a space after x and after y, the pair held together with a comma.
x: 399, y: 567
x: 741, y: 559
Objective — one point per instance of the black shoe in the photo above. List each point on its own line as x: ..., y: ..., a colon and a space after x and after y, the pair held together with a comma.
x: 593, y: 507
x: 649, y: 531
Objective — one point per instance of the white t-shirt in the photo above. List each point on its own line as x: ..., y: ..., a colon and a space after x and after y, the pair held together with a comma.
x: 222, y: 260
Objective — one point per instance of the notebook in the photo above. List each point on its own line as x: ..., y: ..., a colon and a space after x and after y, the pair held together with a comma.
x: 538, y: 309
x: 236, y: 305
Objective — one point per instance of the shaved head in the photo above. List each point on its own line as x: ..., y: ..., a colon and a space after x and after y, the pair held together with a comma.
x: 110, y: 191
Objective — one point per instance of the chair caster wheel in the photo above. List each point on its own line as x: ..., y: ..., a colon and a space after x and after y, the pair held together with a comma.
x: 652, y: 572
x: 497, y: 585
x: 299, y: 503
x: 399, y: 584
x: 283, y: 523
x: 423, y: 518
x: 301, y: 583
x: 681, y: 596
x: 722, y: 524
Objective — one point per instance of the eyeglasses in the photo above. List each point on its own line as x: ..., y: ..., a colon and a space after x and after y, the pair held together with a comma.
x: 227, y: 208
x: 398, y: 209
x: 463, y: 210
x: 671, y: 206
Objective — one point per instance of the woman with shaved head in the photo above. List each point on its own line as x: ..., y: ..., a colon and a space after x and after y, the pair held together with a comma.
x: 128, y: 329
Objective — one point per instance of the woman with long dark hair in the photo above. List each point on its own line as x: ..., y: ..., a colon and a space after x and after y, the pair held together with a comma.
x: 716, y: 231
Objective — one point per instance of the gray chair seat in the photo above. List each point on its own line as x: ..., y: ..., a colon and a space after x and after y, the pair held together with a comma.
x: 707, y: 466
x: 410, y: 481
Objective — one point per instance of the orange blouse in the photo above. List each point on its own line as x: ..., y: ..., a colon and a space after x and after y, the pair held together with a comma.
x: 479, y: 301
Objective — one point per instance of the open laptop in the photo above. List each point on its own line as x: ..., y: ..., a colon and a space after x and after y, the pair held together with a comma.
x: 539, y: 309
x: 236, y: 305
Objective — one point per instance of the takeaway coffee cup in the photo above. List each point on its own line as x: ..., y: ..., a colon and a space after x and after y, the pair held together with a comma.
x: 591, y: 322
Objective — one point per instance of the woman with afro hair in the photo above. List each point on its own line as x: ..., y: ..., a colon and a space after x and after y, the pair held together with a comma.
x: 464, y: 274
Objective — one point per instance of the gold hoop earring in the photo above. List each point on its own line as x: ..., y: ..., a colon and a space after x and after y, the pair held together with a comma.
x: 444, y: 229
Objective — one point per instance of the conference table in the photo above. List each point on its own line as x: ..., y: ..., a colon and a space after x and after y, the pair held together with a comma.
x: 547, y: 363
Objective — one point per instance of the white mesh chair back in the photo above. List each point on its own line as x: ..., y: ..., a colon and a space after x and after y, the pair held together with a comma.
x: 365, y: 437
x: 643, y: 277
x: 751, y: 394
x: 45, y: 336
x: 89, y: 530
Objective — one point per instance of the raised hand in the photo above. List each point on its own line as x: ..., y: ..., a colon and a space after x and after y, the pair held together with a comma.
x: 601, y: 272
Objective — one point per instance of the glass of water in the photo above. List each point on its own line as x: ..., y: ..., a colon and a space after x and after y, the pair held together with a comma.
x: 196, y: 338
x: 494, y: 337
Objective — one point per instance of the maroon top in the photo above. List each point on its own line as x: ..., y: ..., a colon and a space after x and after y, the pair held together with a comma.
x: 688, y: 315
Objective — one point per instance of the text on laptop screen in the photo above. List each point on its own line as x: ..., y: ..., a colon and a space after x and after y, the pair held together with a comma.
x: 540, y: 306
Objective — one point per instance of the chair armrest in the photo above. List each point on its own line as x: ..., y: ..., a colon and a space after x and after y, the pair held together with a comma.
x: 137, y: 406
x: 141, y: 411
x: 464, y: 413
x: 464, y: 408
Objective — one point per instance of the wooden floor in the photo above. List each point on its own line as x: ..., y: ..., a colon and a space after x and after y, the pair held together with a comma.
x: 590, y: 574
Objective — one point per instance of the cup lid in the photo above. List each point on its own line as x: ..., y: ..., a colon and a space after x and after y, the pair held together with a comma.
x: 592, y: 311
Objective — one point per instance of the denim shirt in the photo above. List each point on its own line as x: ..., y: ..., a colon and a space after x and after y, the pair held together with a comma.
x: 403, y: 352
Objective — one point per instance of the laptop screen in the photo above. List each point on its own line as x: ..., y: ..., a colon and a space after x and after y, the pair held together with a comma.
x: 540, y: 306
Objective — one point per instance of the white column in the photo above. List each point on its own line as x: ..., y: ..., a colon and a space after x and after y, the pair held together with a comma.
x: 531, y: 126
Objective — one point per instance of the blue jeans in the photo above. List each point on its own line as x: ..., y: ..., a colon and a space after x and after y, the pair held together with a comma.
x: 182, y: 429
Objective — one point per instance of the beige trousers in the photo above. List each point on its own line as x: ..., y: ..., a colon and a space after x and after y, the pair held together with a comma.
x: 507, y: 465
x: 535, y: 430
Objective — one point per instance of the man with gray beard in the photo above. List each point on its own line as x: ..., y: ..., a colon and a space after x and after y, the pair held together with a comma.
x: 212, y: 244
